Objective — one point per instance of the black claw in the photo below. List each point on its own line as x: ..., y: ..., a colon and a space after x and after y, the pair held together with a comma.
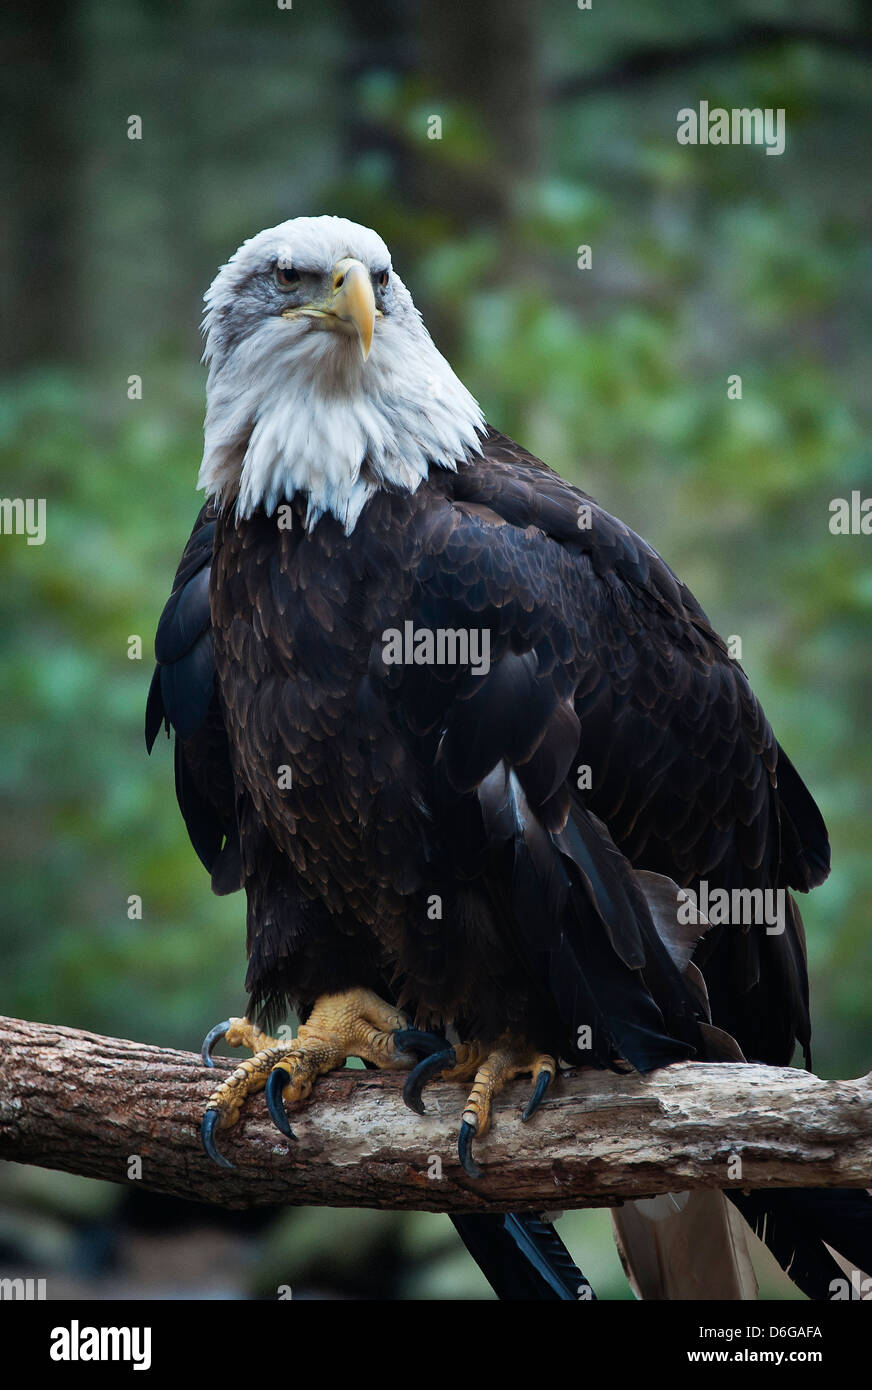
x: 416, y: 1040
x: 464, y: 1149
x: 277, y: 1082
x: 207, y: 1134
x: 214, y: 1035
x: 543, y: 1081
x: 425, y: 1071
x: 437, y: 1055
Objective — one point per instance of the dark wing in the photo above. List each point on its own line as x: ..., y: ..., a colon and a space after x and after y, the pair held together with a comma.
x: 601, y: 658
x: 183, y: 698
x: 662, y: 686
x: 222, y: 821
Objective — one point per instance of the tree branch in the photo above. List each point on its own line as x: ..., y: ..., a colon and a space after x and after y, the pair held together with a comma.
x: 652, y: 61
x: 91, y: 1105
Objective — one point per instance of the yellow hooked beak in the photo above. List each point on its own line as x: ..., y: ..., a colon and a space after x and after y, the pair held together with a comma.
x: 351, y: 302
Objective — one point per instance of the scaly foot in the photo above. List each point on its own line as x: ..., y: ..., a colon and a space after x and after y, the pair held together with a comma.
x: 491, y: 1070
x: 354, y: 1024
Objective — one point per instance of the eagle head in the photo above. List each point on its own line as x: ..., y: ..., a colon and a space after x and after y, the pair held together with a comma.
x: 323, y: 379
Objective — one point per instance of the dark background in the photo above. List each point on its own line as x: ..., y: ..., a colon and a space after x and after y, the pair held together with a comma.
x: 558, y: 128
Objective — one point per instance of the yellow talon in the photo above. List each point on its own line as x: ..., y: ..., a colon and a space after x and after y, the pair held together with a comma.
x: 501, y: 1066
x: 242, y: 1033
x: 354, y: 1024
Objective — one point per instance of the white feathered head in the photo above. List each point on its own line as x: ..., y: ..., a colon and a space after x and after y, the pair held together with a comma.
x: 322, y: 377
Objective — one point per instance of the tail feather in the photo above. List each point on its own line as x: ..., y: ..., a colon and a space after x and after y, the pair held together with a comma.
x: 798, y: 1224
x: 689, y: 1245
x: 523, y: 1258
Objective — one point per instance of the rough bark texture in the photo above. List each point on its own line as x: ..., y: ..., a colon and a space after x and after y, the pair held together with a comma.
x: 89, y: 1105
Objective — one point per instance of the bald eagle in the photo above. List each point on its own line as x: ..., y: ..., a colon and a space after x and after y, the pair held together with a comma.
x: 472, y: 750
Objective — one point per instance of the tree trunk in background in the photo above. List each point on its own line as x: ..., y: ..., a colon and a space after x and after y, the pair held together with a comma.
x: 487, y: 56
x: 39, y: 168
x: 480, y: 60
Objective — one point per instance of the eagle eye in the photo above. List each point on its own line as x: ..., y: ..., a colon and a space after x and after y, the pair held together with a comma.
x: 382, y: 279
x: 286, y: 277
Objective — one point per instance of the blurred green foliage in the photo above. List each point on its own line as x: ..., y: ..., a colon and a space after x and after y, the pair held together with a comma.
x: 705, y: 262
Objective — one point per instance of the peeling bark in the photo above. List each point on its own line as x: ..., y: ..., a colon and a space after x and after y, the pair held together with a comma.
x: 89, y: 1105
